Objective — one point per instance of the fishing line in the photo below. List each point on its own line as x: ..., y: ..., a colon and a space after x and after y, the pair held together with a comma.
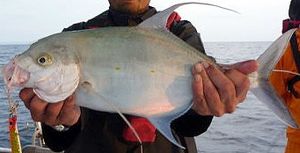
x: 13, y: 127
x: 286, y: 71
x: 124, y: 118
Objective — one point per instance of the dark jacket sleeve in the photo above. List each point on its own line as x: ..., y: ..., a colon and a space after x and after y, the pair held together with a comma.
x: 188, y: 33
x: 77, y: 26
x: 190, y: 124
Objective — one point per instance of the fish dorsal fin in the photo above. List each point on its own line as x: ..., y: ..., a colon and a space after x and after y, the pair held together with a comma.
x: 159, y: 20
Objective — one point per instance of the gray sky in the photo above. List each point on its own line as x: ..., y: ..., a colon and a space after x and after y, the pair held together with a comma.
x: 260, y: 20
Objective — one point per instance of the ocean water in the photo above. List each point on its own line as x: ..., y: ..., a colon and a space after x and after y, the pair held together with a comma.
x: 252, y: 128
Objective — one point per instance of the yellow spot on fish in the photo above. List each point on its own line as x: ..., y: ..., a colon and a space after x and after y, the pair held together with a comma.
x: 117, y: 68
x: 152, y: 71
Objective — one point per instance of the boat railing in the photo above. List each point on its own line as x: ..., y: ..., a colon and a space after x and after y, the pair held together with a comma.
x: 5, y: 150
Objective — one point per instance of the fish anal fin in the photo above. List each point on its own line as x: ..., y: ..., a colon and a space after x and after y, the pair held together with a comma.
x: 163, y: 124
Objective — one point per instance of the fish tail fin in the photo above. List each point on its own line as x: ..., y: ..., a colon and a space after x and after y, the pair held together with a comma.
x: 261, y: 86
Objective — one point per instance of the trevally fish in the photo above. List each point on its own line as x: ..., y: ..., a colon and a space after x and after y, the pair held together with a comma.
x: 143, y: 71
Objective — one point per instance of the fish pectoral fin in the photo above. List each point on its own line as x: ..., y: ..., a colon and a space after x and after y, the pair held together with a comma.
x: 163, y: 125
x: 159, y: 20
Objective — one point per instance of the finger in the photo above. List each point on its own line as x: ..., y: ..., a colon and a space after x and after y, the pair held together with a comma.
x: 70, y: 112
x: 199, y: 103
x: 197, y: 82
x: 245, y: 67
x: 200, y: 106
x: 197, y: 68
x: 224, y: 85
x: 70, y: 116
x: 70, y: 101
x: 211, y: 94
x: 241, y: 82
x: 26, y: 96
x: 52, y: 112
x: 37, y: 108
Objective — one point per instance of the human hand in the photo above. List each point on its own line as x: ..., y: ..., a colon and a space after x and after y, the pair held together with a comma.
x: 218, y: 91
x: 65, y: 112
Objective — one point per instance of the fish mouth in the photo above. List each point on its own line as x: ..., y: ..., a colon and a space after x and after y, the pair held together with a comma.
x: 14, y: 75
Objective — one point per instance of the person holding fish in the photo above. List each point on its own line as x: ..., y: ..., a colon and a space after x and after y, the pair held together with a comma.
x: 215, y: 91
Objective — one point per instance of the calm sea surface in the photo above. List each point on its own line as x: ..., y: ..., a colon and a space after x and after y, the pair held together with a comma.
x: 251, y: 129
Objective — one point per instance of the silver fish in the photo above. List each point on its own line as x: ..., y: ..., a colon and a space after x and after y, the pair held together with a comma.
x: 143, y: 71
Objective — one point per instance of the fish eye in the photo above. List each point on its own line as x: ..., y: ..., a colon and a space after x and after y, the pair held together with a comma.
x: 42, y: 60
x: 45, y: 60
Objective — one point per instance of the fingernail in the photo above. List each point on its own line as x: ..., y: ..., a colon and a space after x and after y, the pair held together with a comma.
x: 198, y: 67
x: 205, y: 65
x: 224, y: 66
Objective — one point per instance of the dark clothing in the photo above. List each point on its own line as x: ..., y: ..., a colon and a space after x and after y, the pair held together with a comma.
x: 294, y: 12
x: 102, y: 131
